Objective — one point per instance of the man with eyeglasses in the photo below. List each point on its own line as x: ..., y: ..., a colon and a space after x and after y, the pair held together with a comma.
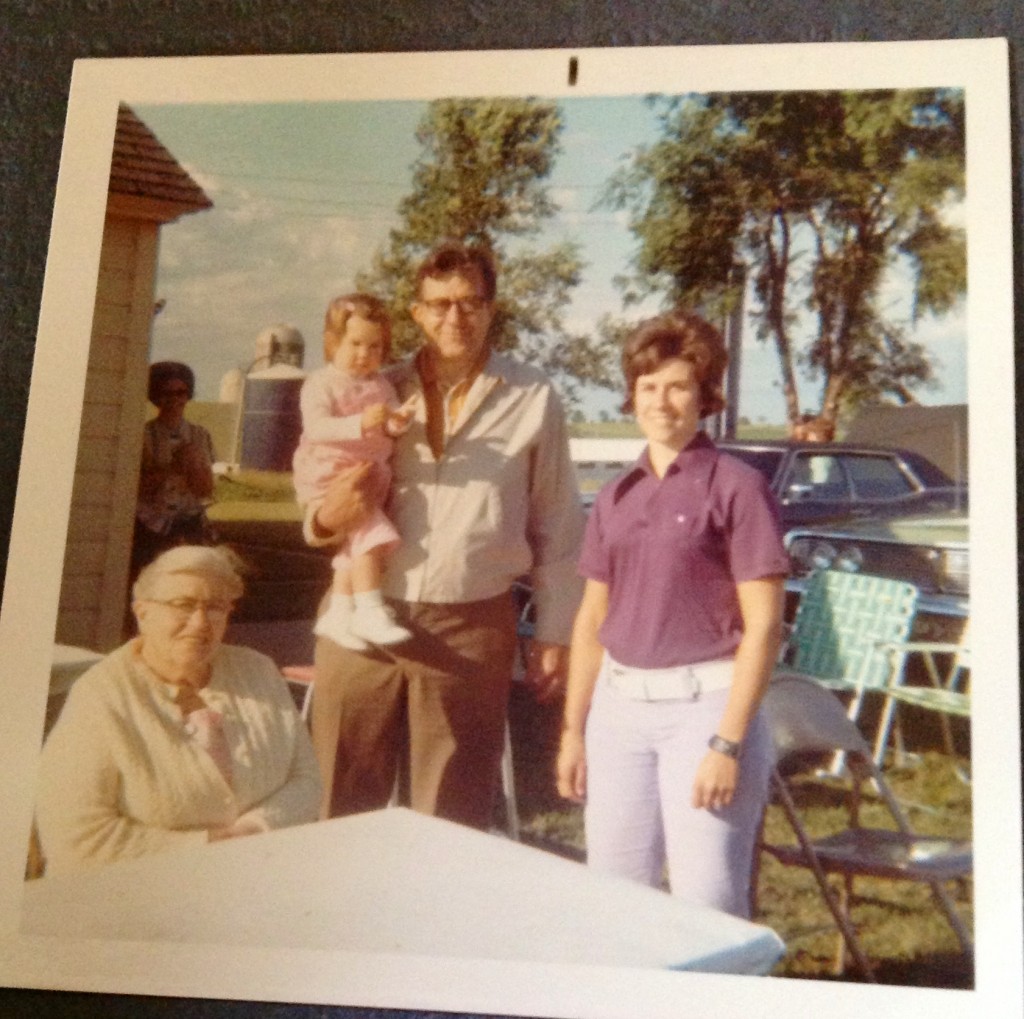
x: 483, y: 493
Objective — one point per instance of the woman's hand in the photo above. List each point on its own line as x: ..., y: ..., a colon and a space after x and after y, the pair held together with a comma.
x: 715, y: 782
x: 243, y: 826
x: 571, y: 767
x: 191, y: 461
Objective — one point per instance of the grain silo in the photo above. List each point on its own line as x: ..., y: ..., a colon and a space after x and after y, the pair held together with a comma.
x: 270, y: 422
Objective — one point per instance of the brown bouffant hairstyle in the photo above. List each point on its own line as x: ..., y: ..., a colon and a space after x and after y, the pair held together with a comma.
x: 457, y: 256
x: 678, y: 334
x: 341, y: 309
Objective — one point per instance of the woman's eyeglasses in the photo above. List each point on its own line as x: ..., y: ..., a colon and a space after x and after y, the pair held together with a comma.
x: 214, y: 609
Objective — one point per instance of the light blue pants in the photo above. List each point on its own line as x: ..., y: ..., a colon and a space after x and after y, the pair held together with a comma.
x: 641, y: 760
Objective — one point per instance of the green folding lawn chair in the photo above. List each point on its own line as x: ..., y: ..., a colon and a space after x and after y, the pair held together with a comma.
x: 947, y: 667
x: 848, y: 634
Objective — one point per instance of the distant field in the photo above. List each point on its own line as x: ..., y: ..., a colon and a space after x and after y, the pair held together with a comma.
x: 629, y: 430
x: 247, y: 494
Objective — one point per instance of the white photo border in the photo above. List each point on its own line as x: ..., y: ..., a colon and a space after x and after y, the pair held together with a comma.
x: 979, y: 67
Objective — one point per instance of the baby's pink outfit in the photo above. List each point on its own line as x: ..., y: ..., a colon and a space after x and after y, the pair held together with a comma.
x: 332, y: 403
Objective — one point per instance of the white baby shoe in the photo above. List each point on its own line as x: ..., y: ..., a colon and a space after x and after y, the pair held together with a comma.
x: 335, y: 624
x: 375, y: 623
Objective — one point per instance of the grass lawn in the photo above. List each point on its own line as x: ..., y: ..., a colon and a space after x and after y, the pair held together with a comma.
x: 900, y: 929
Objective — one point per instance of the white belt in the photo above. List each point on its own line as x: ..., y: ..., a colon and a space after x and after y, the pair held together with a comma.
x: 681, y: 682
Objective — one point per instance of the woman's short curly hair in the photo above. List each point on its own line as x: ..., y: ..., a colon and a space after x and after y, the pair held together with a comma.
x: 677, y: 334
x: 163, y: 372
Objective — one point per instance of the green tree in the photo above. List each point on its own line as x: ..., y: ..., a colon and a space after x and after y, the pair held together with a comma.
x: 481, y: 177
x: 818, y: 195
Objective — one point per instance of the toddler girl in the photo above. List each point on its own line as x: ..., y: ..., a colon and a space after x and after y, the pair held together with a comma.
x: 350, y: 415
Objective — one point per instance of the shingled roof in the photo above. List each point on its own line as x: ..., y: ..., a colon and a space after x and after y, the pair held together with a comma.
x: 141, y: 167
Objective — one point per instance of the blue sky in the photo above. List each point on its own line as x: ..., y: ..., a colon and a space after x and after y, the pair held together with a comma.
x: 305, y: 193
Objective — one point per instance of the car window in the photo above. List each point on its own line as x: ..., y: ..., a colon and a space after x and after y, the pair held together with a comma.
x: 765, y: 460
x: 876, y: 477
x: 817, y: 476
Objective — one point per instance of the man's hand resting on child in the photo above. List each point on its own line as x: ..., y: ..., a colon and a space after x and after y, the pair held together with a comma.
x: 349, y: 499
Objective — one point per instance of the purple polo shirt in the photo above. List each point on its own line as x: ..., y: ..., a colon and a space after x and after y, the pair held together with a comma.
x: 672, y: 551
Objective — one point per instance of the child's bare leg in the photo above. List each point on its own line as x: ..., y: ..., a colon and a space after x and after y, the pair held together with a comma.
x: 335, y: 623
x: 342, y: 583
x: 367, y: 570
x: 371, y: 618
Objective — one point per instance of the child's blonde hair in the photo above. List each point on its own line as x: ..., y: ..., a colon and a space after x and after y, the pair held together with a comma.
x: 341, y: 309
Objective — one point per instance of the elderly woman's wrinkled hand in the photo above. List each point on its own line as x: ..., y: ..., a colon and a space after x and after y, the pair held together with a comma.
x: 243, y: 826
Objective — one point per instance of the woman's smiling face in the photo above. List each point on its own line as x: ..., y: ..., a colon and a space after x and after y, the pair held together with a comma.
x: 182, y: 623
x: 667, y: 403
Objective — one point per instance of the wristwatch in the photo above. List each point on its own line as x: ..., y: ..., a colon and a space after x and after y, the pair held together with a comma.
x: 725, y: 746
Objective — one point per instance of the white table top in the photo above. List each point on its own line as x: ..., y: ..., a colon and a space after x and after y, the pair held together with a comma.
x: 69, y: 662
x: 395, y: 881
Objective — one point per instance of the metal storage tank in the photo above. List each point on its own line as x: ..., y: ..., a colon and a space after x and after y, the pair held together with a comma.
x: 279, y: 344
x: 271, y: 420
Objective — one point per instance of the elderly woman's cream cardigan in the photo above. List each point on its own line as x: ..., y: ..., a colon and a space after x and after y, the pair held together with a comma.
x: 120, y: 775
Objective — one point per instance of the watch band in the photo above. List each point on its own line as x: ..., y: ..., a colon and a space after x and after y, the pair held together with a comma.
x: 725, y: 746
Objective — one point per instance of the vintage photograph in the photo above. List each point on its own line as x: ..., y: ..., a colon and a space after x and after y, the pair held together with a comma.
x: 510, y: 538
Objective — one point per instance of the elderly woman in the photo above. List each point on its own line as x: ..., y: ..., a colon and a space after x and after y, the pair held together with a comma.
x: 174, y: 739
x: 176, y: 478
x: 675, y: 638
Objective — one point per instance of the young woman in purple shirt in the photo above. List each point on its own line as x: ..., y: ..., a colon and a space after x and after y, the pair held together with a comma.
x: 675, y: 638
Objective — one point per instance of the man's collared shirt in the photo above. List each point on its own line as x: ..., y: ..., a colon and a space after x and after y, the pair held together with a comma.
x: 443, y: 405
x: 672, y: 551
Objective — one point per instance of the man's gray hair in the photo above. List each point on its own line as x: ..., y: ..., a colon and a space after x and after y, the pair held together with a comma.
x: 217, y: 562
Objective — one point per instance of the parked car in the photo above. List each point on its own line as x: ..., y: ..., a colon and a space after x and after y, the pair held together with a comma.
x: 820, y: 481
x: 813, y: 481
x: 930, y: 551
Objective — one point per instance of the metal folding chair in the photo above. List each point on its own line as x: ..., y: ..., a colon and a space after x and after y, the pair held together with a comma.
x: 947, y: 667
x: 806, y: 721
x: 847, y: 633
x: 300, y: 682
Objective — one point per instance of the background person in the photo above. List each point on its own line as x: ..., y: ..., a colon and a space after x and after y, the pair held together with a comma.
x: 484, y: 492
x: 350, y: 414
x: 176, y: 475
x: 675, y: 638
x: 174, y: 739
x: 812, y: 428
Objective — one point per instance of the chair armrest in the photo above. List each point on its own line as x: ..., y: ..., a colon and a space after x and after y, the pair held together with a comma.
x: 924, y: 646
